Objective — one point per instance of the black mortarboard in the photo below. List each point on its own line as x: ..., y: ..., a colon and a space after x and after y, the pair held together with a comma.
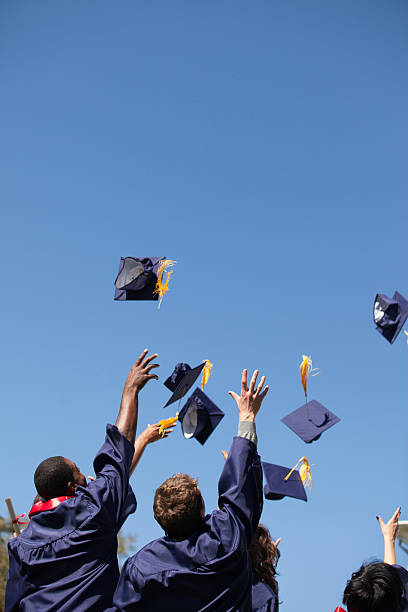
x: 310, y: 421
x: 181, y: 380
x: 137, y: 278
x: 199, y: 416
x: 390, y: 314
x: 277, y: 487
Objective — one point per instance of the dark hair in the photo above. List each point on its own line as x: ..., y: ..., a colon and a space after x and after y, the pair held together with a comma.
x: 52, y: 476
x: 264, y: 556
x: 178, y: 506
x: 375, y: 588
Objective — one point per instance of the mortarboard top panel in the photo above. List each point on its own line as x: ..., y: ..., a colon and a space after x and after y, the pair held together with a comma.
x: 182, y: 379
x: 176, y: 376
x: 277, y: 487
x: 199, y: 416
x: 137, y: 278
x: 310, y: 421
x: 390, y: 314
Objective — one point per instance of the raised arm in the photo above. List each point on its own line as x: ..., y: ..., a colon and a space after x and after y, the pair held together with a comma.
x: 240, y: 484
x: 389, y: 531
x: 136, y: 380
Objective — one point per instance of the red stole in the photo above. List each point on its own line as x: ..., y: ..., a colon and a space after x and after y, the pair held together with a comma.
x: 41, y: 506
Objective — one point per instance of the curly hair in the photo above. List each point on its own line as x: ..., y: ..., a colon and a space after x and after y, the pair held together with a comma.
x: 178, y: 506
x: 376, y: 587
x: 52, y: 476
x: 264, y: 556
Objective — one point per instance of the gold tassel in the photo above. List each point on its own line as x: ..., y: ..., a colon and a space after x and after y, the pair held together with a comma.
x: 305, y: 473
x: 162, y: 288
x: 206, y: 372
x: 306, y: 368
x: 406, y: 333
x: 166, y: 423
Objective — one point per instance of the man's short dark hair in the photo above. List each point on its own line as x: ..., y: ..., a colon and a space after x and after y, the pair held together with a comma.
x: 376, y: 587
x: 52, y: 476
x: 178, y: 506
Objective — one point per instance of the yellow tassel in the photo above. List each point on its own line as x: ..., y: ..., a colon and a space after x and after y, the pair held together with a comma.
x: 166, y: 423
x: 206, y: 372
x: 406, y: 333
x: 162, y: 287
x: 306, y: 368
x: 305, y: 472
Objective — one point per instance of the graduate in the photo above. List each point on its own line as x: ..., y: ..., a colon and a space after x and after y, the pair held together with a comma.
x: 66, y: 558
x: 201, y: 563
x: 379, y: 587
x: 264, y: 555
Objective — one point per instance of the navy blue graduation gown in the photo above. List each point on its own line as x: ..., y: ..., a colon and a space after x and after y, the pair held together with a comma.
x: 209, y: 570
x: 66, y: 559
x: 263, y: 598
x: 404, y: 578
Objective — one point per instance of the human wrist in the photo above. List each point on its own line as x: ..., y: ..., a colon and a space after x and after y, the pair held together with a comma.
x: 247, y: 416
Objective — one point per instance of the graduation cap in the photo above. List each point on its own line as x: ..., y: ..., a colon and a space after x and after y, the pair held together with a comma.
x: 181, y: 380
x: 310, y: 421
x: 279, y: 486
x: 140, y: 278
x: 199, y: 416
x: 390, y: 314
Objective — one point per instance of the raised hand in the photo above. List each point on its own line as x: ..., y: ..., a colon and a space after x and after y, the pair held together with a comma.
x: 152, y: 433
x: 250, y: 400
x: 139, y: 375
x: 390, y: 529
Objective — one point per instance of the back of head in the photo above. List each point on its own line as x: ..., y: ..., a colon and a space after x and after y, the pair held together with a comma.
x: 375, y: 588
x: 178, y: 506
x: 264, y: 556
x: 52, y: 476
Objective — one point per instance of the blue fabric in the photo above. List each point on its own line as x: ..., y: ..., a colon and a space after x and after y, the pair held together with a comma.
x: 404, y: 578
x: 66, y: 559
x: 210, y: 570
x: 263, y: 598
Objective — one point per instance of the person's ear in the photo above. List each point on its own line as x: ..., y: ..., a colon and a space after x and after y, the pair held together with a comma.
x: 71, y: 487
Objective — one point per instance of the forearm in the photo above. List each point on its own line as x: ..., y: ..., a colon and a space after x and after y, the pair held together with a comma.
x: 128, y: 413
x: 140, y: 444
x: 389, y: 551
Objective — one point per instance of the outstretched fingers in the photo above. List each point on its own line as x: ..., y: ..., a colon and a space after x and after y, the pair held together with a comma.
x: 244, y: 381
x: 264, y: 392
x: 149, y: 359
x: 233, y: 395
x: 259, y: 387
x: 141, y: 357
x: 395, y: 516
x: 253, y: 381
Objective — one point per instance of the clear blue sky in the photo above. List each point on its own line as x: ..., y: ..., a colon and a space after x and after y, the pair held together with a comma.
x: 263, y: 146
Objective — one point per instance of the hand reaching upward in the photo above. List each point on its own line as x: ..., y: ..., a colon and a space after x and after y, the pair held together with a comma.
x: 250, y: 400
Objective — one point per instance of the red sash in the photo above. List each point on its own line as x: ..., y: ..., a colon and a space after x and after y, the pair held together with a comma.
x: 41, y: 506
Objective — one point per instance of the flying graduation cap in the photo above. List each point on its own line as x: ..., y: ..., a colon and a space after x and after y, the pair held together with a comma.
x: 181, y: 380
x: 281, y: 481
x: 390, y: 314
x: 312, y: 419
x: 199, y: 416
x: 141, y: 278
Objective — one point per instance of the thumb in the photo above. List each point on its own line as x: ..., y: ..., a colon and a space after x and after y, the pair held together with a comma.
x: 379, y: 519
x: 233, y: 395
x: 278, y: 541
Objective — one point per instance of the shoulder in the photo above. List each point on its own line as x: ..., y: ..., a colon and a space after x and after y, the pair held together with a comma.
x: 261, y: 594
